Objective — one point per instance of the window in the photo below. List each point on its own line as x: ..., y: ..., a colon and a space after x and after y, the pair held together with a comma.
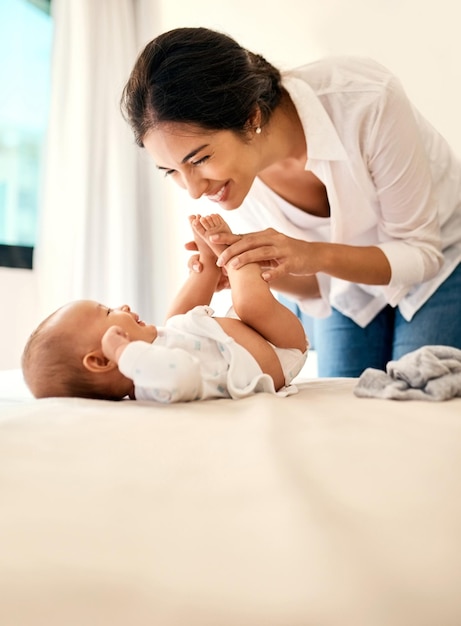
x: 25, y: 68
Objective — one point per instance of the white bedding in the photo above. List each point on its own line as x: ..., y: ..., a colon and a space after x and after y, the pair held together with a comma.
x: 318, y: 509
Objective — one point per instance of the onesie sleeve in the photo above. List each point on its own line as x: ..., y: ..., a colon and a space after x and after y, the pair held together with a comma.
x: 162, y: 374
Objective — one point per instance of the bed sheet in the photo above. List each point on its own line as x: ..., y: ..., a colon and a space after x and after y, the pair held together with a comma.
x: 317, y: 509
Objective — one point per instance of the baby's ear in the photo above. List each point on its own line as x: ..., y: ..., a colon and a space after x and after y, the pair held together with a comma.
x: 96, y: 362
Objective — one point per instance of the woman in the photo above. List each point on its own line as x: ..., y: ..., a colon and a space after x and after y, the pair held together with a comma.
x: 353, y: 197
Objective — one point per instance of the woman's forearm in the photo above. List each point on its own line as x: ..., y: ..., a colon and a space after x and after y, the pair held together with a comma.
x: 367, y: 265
x: 285, y: 256
x: 300, y: 286
x: 357, y: 264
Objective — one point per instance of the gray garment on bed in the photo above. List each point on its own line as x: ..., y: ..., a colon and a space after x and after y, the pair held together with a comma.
x: 429, y: 373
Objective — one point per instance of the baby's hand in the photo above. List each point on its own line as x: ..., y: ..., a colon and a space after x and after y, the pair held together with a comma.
x: 113, y: 343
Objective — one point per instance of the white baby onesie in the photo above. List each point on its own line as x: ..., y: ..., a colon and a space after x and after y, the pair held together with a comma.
x: 192, y: 358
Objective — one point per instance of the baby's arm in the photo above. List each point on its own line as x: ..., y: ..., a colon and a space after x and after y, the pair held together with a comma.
x: 199, y: 287
x: 114, y: 341
x: 160, y: 373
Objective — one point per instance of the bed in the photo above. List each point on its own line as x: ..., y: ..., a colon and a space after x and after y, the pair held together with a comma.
x: 319, y: 509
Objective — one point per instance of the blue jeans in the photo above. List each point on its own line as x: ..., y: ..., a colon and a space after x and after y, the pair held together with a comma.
x: 344, y: 349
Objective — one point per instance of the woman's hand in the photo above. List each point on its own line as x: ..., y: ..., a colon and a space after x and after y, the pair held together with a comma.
x: 277, y: 254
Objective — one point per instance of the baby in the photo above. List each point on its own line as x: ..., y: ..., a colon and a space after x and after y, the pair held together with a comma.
x: 85, y: 349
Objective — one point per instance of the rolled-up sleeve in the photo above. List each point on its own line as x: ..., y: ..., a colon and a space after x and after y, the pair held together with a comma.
x: 408, y: 228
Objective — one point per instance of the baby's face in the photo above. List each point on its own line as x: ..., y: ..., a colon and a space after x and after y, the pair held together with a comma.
x: 89, y: 320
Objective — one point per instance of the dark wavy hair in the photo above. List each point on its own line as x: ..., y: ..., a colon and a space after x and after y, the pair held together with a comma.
x: 198, y: 76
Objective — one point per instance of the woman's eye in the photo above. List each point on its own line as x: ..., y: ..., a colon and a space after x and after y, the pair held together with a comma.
x: 200, y: 161
x: 169, y: 173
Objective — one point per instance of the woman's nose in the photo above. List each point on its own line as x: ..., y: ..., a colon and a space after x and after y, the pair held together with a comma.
x: 125, y: 308
x: 195, y: 186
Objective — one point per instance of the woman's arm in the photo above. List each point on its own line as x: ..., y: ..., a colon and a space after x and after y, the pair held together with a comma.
x: 285, y: 256
x: 297, y: 286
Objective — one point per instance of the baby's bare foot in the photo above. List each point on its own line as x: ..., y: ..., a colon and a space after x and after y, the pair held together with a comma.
x: 204, y: 250
x: 213, y: 224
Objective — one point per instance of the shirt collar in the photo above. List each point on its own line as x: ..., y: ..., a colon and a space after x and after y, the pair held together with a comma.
x: 323, y: 142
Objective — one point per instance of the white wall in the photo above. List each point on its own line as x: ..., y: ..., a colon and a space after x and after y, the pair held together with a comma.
x: 418, y: 40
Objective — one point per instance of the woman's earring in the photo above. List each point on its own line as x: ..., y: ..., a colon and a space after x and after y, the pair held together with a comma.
x: 258, y: 130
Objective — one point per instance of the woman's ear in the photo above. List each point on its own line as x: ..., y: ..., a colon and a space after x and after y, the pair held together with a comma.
x: 255, y: 120
x: 96, y: 362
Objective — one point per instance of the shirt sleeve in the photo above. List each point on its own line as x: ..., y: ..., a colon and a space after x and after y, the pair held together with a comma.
x: 409, y: 228
x: 162, y: 374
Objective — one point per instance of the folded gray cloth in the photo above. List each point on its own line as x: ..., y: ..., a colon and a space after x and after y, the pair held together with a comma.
x: 429, y: 373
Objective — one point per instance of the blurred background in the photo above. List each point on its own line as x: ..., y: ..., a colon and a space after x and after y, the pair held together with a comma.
x: 83, y: 213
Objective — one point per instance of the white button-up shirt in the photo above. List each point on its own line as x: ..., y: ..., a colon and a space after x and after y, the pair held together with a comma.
x: 392, y: 182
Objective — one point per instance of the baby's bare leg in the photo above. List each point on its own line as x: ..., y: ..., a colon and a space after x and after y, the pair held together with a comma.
x: 204, y: 249
x: 252, y: 298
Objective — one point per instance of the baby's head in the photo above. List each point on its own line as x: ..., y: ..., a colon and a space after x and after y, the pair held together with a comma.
x: 64, y: 357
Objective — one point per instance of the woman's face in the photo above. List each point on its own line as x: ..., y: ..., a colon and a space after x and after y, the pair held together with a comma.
x: 217, y: 164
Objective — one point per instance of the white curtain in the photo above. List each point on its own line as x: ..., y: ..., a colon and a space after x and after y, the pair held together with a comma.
x: 105, y: 232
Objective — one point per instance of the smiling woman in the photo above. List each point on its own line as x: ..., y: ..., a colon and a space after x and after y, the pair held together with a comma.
x: 349, y: 198
x: 25, y: 52
x: 219, y: 166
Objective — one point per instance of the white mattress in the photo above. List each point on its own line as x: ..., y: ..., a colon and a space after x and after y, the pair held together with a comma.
x: 318, y: 509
